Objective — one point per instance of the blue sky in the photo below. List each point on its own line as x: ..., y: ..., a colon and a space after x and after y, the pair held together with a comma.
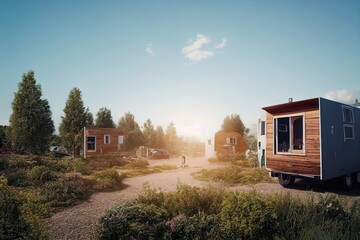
x: 190, y: 62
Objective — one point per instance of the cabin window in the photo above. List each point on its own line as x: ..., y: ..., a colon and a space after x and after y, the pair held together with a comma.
x: 289, y: 136
x: 91, y: 143
x: 348, y: 118
x: 107, y: 139
x: 349, y: 133
x: 120, y: 139
x: 348, y: 115
x: 262, y: 128
x: 231, y: 140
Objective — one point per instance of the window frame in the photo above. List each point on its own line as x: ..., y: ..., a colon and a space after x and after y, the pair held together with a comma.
x: 87, y: 144
x: 352, y: 127
x: 292, y: 118
x: 351, y: 111
x: 348, y: 123
x: 231, y: 140
x: 107, y: 136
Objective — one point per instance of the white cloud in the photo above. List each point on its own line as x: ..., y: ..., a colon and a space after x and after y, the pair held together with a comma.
x: 5, y: 122
x: 344, y: 95
x: 194, y: 53
x: 149, y: 49
x: 222, y: 44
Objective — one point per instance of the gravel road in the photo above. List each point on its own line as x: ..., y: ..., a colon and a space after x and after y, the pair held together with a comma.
x: 79, y: 222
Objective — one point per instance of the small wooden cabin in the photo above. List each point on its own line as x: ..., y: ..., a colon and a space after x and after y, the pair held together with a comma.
x: 102, y: 140
x: 229, y: 143
x: 316, y: 138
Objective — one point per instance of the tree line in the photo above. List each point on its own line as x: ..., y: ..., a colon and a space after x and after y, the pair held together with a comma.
x: 31, y: 128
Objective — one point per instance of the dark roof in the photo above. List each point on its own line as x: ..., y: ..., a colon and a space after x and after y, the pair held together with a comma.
x: 304, y: 105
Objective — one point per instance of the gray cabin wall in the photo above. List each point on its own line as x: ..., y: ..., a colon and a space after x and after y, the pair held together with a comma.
x: 338, y: 157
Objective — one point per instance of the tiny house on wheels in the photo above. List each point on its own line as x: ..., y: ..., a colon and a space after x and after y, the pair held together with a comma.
x: 315, y: 138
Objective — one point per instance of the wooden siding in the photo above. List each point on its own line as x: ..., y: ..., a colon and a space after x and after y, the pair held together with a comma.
x: 220, y: 141
x: 100, y: 146
x: 305, y: 164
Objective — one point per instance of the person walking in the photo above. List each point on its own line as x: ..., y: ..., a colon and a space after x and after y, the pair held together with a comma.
x: 183, y: 159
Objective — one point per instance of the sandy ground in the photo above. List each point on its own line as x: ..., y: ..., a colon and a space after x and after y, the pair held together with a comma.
x: 79, y: 222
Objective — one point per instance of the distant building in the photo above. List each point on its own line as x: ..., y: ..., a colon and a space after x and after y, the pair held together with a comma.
x: 99, y: 141
x: 229, y: 143
x: 261, y: 139
x: 209, y: 147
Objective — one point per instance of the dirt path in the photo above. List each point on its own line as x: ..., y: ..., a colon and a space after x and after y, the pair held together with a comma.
x: 79, y: 222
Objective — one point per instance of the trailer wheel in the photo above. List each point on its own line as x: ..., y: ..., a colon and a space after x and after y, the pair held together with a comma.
x: 348, y: 181
x: 286, y: 180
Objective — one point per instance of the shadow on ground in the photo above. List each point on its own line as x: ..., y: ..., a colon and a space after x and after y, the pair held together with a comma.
x: 332, y: 186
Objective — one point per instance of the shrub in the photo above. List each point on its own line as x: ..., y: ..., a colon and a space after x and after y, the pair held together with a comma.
x: 207, y: 213
x: 107, y: 179
x: 14, y: 223
x: 247, y: 216
x: 73, y: 165
x: 4, y: 164
x: 64, y: 193
x: 234, y: 175
x: 18, y: 179
x: 199, y: 226
x: 133, y: 221
x: 138, y: 164
x: 190, y: 200
x: 41, y: 174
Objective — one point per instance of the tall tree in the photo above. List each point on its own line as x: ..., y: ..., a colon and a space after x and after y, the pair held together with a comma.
x: 233, y: 123
x: 73, y: 122
x: 104, y: 118
x: 149, y: 134
x: 132, y: 132
x: 160, y: 138
x: 89, y: 118
x: 3, y: 139
x: 31, y: 126
x: 171, y: 138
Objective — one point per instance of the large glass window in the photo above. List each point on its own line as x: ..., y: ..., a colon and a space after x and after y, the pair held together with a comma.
x: 289, y: 136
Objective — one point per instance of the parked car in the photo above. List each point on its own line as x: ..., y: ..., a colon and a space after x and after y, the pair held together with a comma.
x: 59, y: 151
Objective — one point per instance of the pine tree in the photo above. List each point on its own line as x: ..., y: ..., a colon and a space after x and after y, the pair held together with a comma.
x: 89, y: 118
x: 104, y: 118
x: 149, y: 134
x: 31, y: 126
x: 133, y: 136
x: 72, y: 124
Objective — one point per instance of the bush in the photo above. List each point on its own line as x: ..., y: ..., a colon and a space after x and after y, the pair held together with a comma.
x: 64, y: 193
x: 18, y: 179
x: 234, y: 175
x: 199, y: 226
x: 14, y: 223
x: 247, y: 216
x: 195, y: 213
x: 185, y: 200
x: 4, y: 164
x: 138, y: 164
x: 73, y: 165
x: 107, y: 179
x: 41, y: 174
x: 133, y: 221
